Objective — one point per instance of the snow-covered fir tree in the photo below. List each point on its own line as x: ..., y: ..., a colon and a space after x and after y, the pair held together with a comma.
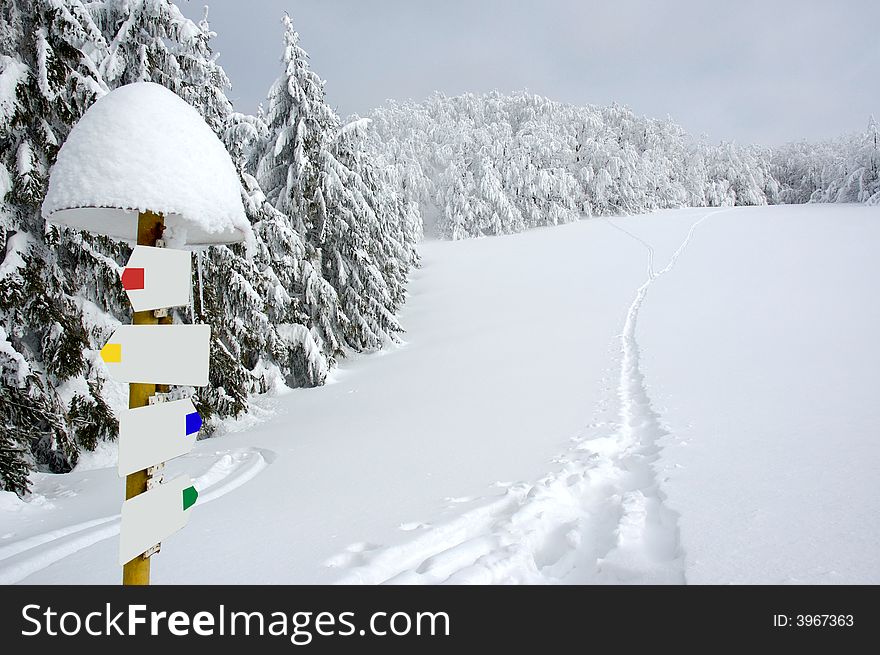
x: 51, y: 395
x: 152, y: 41
x: 314, y: 171
x: 291, y: 289
x: 299, y: 127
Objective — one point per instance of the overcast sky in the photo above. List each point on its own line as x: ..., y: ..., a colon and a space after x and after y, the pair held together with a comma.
x: 765, y: 71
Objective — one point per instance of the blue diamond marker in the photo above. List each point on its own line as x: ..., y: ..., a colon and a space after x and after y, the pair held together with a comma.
x: 193, y: 422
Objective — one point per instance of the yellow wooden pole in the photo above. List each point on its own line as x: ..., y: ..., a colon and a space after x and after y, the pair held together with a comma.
x: 137, y: 571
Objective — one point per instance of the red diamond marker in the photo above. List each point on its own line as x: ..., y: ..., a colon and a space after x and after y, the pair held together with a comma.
x: 132, y: 279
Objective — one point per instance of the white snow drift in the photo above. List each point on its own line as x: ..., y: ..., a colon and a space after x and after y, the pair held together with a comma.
x: 141, y: 147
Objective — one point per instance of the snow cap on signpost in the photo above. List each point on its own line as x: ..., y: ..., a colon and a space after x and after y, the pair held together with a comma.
x: 143, y: 148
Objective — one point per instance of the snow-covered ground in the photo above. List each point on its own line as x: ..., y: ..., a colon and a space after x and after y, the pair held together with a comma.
x: 763, y: 351
x: 679, y: 397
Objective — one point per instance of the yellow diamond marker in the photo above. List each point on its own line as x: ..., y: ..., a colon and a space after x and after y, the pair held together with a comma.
x: 112, y: 353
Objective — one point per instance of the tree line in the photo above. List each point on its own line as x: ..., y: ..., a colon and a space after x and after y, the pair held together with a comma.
x: 481, y: 165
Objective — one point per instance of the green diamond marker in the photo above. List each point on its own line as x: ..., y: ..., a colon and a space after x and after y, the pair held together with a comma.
x: 189, y: 497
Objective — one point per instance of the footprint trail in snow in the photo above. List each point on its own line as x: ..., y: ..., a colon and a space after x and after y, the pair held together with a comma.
x: 599, y: 518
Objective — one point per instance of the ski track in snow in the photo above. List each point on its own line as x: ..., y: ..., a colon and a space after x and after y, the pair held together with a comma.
x: 22, y: 558
x: 600, y: 518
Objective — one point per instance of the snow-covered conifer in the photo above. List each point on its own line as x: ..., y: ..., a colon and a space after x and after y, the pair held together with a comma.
x: 313, y: 170
x: 49, y: 381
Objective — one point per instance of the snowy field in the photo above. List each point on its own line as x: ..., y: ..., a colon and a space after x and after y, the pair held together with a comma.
x: 681, y: 397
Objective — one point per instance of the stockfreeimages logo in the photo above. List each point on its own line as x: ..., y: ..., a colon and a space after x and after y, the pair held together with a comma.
x: 300, y: 628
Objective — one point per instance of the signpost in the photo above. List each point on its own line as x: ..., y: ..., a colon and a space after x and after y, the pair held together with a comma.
x: 151, y: 516
x: 192, y: 187
x: 157, y: 277
x: 156, y: 433
x: 176, y: 354
x: 149, y: 354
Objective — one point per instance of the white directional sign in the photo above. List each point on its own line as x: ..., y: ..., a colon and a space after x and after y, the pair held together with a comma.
x: 153, y: 515
x: 157, y: 277
x: 156, y: 433
x: 159, y: 354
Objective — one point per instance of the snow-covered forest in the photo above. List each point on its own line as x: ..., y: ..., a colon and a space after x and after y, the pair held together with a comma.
x: 337, y: 206
x: 495, y: 164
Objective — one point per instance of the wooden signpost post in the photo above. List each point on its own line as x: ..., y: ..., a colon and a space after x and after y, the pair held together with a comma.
x: 158, y: 432
x: 147, y: 355
x: 151, y: 515
x: 155, y: 278
x: 149, y: 231
x: 177, y: 354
